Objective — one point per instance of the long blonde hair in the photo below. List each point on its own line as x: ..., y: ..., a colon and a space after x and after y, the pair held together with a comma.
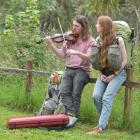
x: 107, y: 37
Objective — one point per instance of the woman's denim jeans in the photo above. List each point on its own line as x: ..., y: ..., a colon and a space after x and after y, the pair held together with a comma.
x: 103, y: 96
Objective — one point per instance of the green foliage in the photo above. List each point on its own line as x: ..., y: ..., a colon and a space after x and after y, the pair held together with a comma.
x: 101, y: 6
x: 26, y: 19
x: 9, y: 22
x: 23, y: 31
x: 28, y: 29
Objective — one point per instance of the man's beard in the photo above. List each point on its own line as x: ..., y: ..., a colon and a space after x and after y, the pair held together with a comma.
x: 75, y: 33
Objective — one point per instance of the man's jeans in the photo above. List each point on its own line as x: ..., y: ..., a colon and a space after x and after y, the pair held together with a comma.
x: 72, y: 84
x: 104, y: 94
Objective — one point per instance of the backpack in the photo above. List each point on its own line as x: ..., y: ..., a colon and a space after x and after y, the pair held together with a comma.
x: 128, y: 34
x: 121, y: 29
x: 52, y: 98
x: 114, y: 55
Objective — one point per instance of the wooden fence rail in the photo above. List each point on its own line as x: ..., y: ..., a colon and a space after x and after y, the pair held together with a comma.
x: 23, y: 71
x: 129, y: 84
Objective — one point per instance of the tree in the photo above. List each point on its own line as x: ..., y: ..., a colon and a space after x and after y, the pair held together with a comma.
x: 101, y: 6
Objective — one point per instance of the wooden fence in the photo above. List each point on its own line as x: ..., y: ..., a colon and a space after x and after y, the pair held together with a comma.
x: 129, y: 84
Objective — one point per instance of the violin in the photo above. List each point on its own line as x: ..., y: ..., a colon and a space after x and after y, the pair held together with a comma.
x: 59, y: 38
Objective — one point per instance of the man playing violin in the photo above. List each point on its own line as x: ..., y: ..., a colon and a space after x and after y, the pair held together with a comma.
x: 77, y: 70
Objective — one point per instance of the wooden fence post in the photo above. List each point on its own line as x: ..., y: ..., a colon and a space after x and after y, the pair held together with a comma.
x: 28, y: 82
x: 128, y: 99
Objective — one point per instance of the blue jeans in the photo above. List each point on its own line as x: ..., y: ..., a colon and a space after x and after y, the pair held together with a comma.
x: 104, y: 94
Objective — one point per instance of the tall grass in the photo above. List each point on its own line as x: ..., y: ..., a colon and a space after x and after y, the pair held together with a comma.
x: 13, y: 92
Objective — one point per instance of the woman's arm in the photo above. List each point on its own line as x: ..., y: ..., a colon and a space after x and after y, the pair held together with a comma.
x: 123, y: 54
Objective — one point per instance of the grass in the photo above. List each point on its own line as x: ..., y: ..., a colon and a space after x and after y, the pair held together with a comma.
x: 13, y: 103
x: 76, y: 133
x: 13, y: 92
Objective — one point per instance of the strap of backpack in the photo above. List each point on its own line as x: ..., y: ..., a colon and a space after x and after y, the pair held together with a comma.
x: 116, y: 41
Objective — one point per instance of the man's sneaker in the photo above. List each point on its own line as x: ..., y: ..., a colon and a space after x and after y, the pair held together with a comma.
x: 72, y: 121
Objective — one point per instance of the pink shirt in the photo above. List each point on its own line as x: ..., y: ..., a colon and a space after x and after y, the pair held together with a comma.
x: 75, y: 61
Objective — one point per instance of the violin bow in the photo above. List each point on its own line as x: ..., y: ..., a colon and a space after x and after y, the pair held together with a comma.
x: 62, y: 32
x: 61, y: 29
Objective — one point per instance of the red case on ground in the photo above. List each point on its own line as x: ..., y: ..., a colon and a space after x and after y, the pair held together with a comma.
x: 38, y: 121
